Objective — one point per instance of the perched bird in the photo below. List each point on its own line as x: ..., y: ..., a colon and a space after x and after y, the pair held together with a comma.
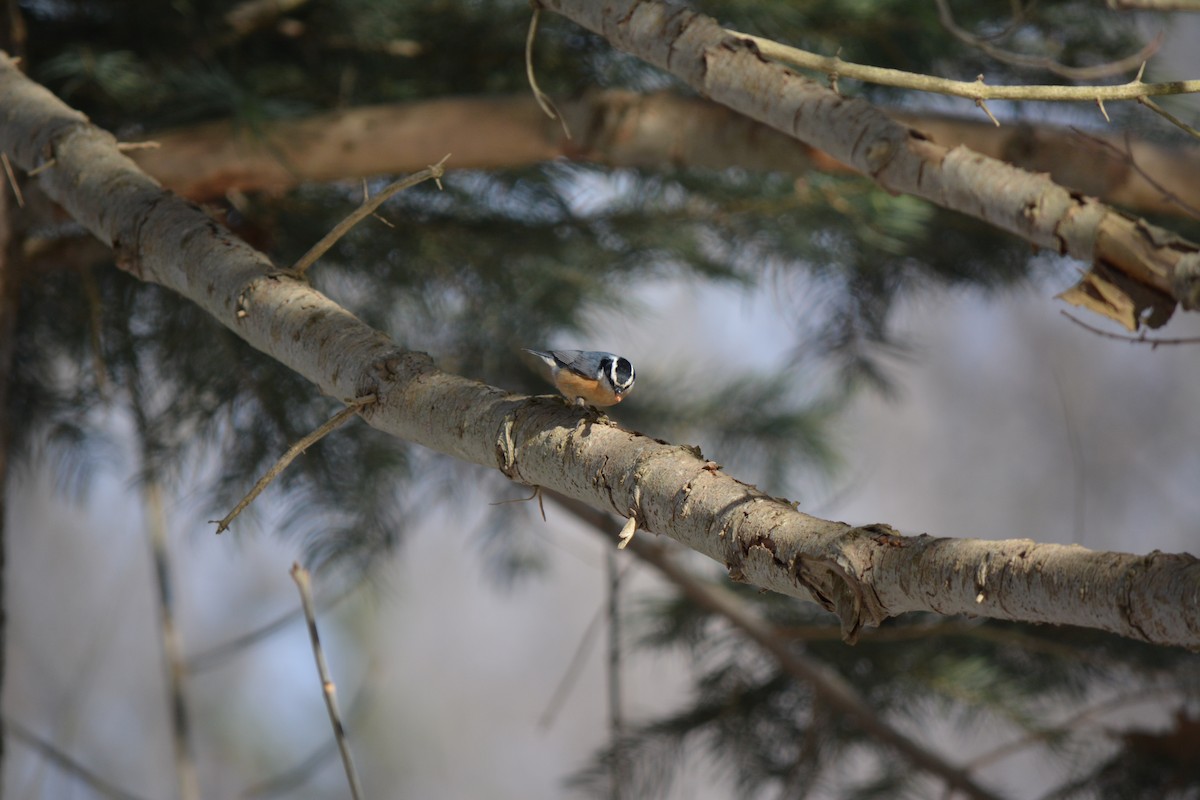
x: 586, y: 377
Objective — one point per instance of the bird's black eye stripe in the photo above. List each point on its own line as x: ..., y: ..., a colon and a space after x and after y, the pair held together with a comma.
x: 621, y: 373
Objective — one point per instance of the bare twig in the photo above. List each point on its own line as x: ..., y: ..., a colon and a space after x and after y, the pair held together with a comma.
x: 216, y: 655
x: 946, y: 16
x: 1127, y: 156
x: 537, y: 493
x: 289, y: 781
x: 336, y: 421
x: 1141, y: 338
x: 1169, y: 117
x: 567, y: 682
x: 181, y: 731
x: 983, y: 106
x: 543, y: 100
x: 304, y: 583
x: 434, y: 171
x: 12, y: 179
x: 1033, y: 737
x: 972, y: 90
x: 615, y: 724
x: 130, y: 147
x: 65, y: 762
x: 40, y: 168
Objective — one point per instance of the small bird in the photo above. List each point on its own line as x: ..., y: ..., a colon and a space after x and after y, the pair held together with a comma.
x: 587, y: 377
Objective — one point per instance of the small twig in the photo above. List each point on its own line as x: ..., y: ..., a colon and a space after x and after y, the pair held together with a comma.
x: 12, y: 179
x: 434, y: 171
x: 543, y: 100
x: 66, y: 763
x: 969, y: 89
x: 1169, y: 117
x: 216, y: 655
x: 336, y: 421
x: 1127, y: 156
x: 181, y: 727
x: 537, y: 492
x: 304, y: 583
x: 979, y: 102
x: 1141, y: 338
x: 1033, y: 737
x: 126, y: 147
x: 38, y: 170
x: 582, y: 650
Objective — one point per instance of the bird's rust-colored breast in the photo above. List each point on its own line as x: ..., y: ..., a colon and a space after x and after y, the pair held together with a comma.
x: 590, y: 390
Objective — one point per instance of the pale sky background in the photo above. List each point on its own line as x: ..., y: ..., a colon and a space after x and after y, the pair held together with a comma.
x: 978, y: 444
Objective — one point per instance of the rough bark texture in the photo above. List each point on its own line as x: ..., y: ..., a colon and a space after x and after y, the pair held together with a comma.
x: 1144, y: 270
x: 862, y: 574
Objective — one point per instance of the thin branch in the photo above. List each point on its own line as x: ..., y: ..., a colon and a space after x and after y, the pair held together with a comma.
x: 615, y: 724
x: 946, y: 16
x: 1033, y: 737
x: 12, y: 179
x: 582, y: 650
x: 567, y: 682
x: 832, y: 687
x: 537, y: 493
x: 433, y: 171
x: 172, y: 647
x: 336, y: 421
x: 66, y: 763
x: 1127, y: 156
x: 1078, y: 464
x: 288, y: 781
x: 1141, y: 338
x: 181, y: 728
x: 216, y: 655
x: 543, y: 99
x: 131, y: 147
x: 1169, y: 117
x: 304, y: 583
x: 973, y: 90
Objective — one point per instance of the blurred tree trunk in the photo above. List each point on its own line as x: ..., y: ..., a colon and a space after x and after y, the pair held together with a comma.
x: 625, y: 129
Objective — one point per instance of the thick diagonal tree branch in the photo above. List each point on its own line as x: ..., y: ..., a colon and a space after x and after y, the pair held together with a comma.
x: 1139, y: 271
x: 862, y: 574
